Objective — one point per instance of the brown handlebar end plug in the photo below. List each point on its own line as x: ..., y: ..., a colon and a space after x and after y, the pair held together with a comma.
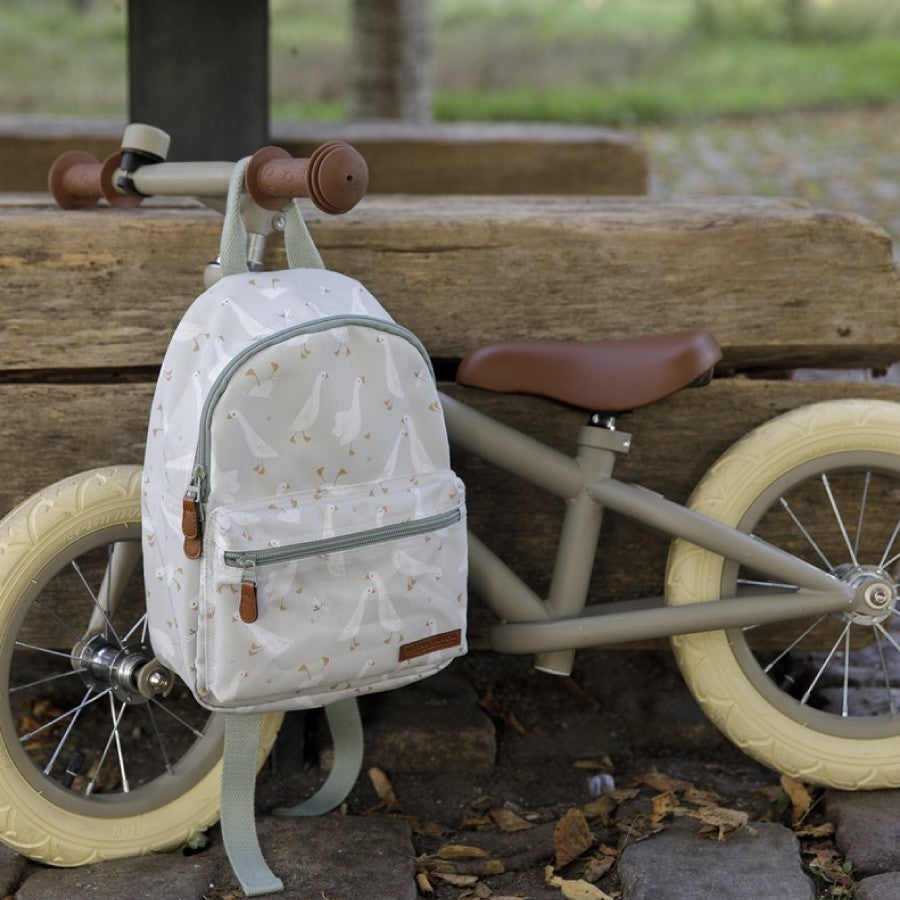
x: 335, y: 177
x: 338, y: 177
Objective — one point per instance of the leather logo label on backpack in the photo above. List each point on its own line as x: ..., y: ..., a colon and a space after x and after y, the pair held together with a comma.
x: 428, y: 645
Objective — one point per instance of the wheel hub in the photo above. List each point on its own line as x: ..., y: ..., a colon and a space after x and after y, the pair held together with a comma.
x: 132, y: 672
x: 874, y: 594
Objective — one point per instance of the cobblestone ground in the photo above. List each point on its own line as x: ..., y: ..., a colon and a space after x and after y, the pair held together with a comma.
x: 847, y: 161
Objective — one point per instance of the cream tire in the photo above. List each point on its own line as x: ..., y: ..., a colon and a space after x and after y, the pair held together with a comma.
x: 845, y: 750
x: 40, y: 816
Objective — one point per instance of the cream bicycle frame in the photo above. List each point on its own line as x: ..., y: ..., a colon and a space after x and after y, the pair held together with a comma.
x: 555, y: 628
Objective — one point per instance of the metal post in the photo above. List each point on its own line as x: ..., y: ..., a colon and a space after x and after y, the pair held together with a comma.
x: 200, y: 71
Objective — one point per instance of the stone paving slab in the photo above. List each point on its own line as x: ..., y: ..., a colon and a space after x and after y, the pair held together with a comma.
x: 868, y: 829
x: 332, y: 856
x: 435, y: 727
x: 12, y: 867
x: 879, y: 887
x: 678, y: 864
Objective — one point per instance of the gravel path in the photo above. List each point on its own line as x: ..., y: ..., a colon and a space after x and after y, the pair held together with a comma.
x: 847, y: 161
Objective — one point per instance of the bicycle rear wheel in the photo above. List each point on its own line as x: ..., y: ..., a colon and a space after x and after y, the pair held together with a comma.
x: 816, y: 698
x: 89, y: 768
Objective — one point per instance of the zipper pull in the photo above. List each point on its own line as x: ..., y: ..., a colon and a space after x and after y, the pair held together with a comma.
x: 249, y: 609
x: 192, y: 516
x: 190, y: 524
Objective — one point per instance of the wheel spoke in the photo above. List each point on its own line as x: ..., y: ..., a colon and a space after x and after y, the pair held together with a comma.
x: 862, y: 512
x: 885, y: 672
x: 159, y: 738
x: 752, y: 582
x: 142, y: 624
x: 845, y: 710
x: 824, y: 665
x: 49, y: 767
x: 884, y: 562
x: 65, y: 715
x: 31, y: 684
x: 176, y: 717
x: 21, y: 645
x: 888, y: 635
x: 109, y: 742
x: 793, y: 644
x: 103, y: 612
x: 116, y: 720
x: 787, y: 508
x: 53, y: 614
x: 839, y: 518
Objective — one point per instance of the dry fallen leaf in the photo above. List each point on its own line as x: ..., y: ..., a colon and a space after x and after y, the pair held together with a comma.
x: 571, y: 837
x: 800, y: 797
x: 601, y: 807
x: 826, y: 829
x: 574, y: 889
x: 382, y: 787
x: 461, y: 851
x: 639, y: 827
x: 597, y: 867
x: 604, y: 764
x: 716, y: 821
x: 507, y: 820
x: 702, y: 798
x: 661, y: 782
x: 663, y: 804
x: 620, y: 795
x: 457, y: 880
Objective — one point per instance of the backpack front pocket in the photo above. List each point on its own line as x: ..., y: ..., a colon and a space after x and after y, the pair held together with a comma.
x: 337, y: 590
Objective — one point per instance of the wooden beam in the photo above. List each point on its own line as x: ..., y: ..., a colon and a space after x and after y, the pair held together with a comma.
x: 779, y: 283
x: 438, y: 158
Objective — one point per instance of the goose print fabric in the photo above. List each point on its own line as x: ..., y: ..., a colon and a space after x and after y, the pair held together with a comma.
x: 304, y: 535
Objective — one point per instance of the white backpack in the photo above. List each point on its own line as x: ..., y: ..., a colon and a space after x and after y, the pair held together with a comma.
x: 304, y: 535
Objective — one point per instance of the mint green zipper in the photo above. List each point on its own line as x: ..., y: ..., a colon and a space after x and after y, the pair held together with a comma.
x: 198, y: 489
x: 248, y: 560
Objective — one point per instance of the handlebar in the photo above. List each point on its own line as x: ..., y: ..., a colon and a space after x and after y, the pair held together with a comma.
x: 334, y: 177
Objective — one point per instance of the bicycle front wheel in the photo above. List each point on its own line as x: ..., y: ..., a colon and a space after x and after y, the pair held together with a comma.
x: 815, y: 698
x: 89, y: 768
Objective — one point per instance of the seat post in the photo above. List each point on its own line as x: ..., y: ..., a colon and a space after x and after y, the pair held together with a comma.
x: 599, y: 444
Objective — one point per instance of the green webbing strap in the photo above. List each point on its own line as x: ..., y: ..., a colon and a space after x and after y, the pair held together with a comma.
x: 239, y: 783
x: 237, y: 812
x: 301, y: 251
x: 347, y: 734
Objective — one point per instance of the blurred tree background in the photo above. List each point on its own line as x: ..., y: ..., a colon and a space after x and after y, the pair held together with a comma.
x: 620, y: 62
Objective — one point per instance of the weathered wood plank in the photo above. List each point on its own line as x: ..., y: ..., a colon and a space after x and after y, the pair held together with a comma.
x: 403, y: 158
x: 48, y: 432
x: 779, y: 283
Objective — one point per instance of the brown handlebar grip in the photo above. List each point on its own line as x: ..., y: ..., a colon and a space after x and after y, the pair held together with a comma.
x: 77, y: 181
x: 335, y: 177
x: 74, y: 180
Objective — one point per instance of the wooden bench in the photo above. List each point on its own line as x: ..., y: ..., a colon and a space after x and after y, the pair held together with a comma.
x: 91, y: 298
x: 404, y: 158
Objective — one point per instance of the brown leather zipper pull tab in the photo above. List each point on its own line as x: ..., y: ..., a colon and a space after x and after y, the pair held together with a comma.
x: 190, y: 525
x: 249, y: 608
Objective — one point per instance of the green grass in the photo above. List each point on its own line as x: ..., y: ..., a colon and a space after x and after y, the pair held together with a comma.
x: 738, y: 78
x: 611, y: 61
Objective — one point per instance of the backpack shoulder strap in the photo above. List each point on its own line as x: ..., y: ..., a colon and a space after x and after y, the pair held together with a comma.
x: 301, y: 251
x: 239, y: 784
x: 345, y: 726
